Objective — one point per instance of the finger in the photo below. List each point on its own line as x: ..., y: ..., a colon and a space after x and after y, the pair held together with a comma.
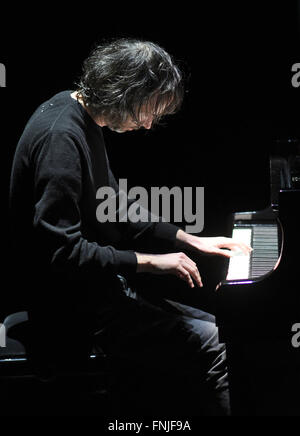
x: 237, y: 246
x: 247, y: 248
x: 243, y: 247
x: 191, y: 267
x: 188, y: 259
x: 233, y: 248
x: 194, y: 272
x: 224, y: 253
x: 184, y: 274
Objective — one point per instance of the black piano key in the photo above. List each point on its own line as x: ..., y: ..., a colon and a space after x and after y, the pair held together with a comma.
x: 264, y: 241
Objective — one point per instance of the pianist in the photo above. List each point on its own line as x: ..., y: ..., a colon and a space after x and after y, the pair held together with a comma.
x: 73, y: 264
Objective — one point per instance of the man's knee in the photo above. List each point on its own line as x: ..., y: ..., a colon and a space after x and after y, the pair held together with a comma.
x: 205, y: 332
x: 204, y: 343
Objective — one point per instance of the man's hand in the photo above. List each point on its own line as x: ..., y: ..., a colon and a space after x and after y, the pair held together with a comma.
x: 215, y: 245
x: 178, y: 264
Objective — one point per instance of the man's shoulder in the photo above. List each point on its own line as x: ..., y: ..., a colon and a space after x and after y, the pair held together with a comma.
x: 61, y: 109
x: 60, y: 113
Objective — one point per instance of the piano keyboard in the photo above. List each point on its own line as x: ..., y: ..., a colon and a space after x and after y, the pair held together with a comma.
x: 263, y: 238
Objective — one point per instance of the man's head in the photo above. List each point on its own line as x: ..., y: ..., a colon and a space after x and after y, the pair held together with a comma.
x: 129, y: 84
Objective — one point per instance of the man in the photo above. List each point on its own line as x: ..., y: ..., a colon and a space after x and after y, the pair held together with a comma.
x: 73, y: 262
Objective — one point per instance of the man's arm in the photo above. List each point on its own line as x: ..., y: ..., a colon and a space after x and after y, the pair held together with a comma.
x: 174, y: 238
x: 57, y: 219
x: 180, y: 265
x: 145, y: 235
x: 218, y: 245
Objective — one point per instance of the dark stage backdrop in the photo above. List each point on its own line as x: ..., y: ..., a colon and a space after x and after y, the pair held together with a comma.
x: 237, y: 58
x: 237, y: 61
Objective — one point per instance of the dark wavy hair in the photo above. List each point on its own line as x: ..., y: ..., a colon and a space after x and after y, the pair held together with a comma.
x: 121, y: 78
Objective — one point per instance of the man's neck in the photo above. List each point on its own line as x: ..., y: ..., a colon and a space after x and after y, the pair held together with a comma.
x: 100, y: 122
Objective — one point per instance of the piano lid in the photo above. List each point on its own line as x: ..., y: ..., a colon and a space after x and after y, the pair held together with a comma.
x: 284, y: 168
x: 279, y: 178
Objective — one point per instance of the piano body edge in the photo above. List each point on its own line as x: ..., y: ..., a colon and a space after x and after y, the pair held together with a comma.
x: 255, y: 318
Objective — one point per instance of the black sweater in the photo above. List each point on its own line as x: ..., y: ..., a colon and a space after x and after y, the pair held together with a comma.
x: 59, y: 164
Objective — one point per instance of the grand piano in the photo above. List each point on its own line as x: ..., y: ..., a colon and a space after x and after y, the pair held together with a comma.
x: 258, y: 303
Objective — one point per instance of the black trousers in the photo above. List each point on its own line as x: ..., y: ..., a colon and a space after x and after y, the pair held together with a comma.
x: 168, y: 356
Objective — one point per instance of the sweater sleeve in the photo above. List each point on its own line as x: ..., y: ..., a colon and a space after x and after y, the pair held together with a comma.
x: 57, y: 221
x: 150, y: 234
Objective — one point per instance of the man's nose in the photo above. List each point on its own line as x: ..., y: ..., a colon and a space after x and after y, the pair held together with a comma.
x: 148, y: 123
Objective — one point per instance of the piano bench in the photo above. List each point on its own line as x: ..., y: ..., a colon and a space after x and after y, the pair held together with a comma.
x: 24, y: 385
x: 98, y: 386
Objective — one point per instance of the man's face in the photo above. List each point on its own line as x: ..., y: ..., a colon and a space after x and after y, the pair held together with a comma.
x: 146, y: 115
x: 145, y: 121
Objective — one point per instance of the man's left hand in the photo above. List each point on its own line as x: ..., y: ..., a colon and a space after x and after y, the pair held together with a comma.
x: 218, y: 245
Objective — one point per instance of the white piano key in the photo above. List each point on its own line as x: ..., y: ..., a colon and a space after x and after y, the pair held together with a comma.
x: 239, y: 263
x: 264, y: 240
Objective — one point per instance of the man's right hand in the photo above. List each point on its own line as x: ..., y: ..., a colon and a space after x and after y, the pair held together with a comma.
x: 178, y: 264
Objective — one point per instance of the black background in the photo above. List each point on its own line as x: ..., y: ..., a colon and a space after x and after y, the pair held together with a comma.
x: 237, y: 58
